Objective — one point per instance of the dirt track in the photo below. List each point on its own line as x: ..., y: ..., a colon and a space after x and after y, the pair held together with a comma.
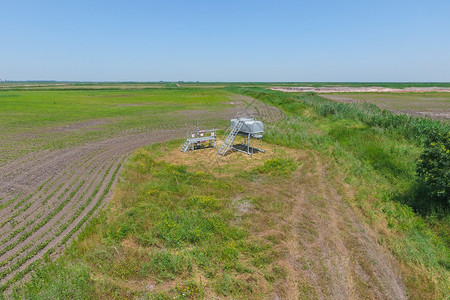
x: 328, y: 252
x: 331, y: 250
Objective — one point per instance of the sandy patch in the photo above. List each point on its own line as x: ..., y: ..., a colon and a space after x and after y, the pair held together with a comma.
x: 343, y: 89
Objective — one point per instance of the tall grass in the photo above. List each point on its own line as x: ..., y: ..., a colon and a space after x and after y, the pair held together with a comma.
x: 413, y: 128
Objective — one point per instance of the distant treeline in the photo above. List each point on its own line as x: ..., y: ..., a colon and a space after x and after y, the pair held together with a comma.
x: 241, y: 83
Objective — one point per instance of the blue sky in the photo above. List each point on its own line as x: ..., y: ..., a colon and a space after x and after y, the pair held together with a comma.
x: 219, y: 40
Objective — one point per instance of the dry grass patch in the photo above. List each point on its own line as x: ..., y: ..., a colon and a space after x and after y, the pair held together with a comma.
x: 205, y: 160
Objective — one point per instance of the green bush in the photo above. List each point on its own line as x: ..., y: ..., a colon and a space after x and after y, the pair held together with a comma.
x: 433, y: 168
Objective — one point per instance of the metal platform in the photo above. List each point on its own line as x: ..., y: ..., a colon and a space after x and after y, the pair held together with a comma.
x: 202, y: 139
x: 197, y: 140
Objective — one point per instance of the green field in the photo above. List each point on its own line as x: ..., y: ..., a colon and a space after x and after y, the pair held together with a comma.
x: 331, y: 209
x: 36, y: 120
x: 29, y: 111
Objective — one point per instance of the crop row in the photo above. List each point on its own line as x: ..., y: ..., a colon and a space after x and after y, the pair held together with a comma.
x: 49, y: 196
x: 22, y: 250
x: 82, y: 207
x: 6, y: 204
x: 50, y: 230
x: 40, y: 224
x: 16, y: 213
x: 24, y: 200
x: 45, y: 220
x: 62, y: 227
x: 27, y: 269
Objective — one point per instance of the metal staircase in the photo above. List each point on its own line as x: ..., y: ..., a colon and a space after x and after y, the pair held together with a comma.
x: 186, y: 145
x: 230, y: 138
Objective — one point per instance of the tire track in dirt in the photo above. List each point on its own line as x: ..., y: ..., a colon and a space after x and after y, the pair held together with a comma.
x: 330, y: 253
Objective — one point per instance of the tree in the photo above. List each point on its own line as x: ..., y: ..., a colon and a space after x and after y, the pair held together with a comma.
x: 433, y: 168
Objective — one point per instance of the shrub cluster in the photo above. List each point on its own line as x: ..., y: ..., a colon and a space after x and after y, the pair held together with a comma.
x: 433, y: 168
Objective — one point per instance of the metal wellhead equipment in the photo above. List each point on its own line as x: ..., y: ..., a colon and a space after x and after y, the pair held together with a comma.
x: 201, y: 138
x: 249, y: 129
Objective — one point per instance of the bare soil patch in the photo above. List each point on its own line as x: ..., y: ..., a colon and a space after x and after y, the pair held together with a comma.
x: 431, y: 106
x: 343, y: 89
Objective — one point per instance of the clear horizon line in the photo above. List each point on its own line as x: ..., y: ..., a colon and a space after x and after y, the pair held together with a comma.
x: 197, y: 81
